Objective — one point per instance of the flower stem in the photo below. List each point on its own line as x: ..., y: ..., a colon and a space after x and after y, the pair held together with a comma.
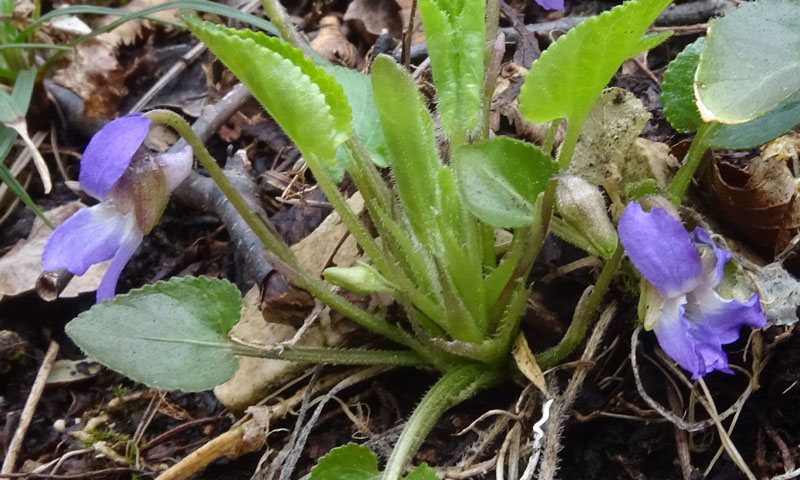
x: 278, y: 16
x: 274, y: 243
x: 451, y: 389
x: 330, y: 356
x: 685, y: 174
x: 577, y: 329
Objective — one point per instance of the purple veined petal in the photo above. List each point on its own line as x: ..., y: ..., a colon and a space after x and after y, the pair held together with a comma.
x: 551, y: 4
x: 712, y: 274
x: 672, y: 332
x: 176, y: 166
x: 110, y: 152
x: 723, y: 318
x: 126, y: 250
x: 91, y: 235
x: 709, y: 351
x: 660, y: 247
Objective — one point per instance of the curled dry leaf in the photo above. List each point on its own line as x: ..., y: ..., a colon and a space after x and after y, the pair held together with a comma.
x: 371, y: 17
x: 93, y: 71
x: 759, y: 200
x: 332, y: 44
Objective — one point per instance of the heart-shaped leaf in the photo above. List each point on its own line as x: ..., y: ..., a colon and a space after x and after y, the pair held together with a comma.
x: 170, y: 335
x: 306, y: 102
x: 502, y: 178
x: 680, y: 109
x: 566, y: 80
x: 751, y: 62
x: 356, y: 462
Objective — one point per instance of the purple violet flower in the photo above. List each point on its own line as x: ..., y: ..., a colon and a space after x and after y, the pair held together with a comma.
x: 133, y: 188
x: 690, y: 320
x: 551, y: 4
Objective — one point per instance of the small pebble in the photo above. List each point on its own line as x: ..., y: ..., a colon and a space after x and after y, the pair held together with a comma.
x: 60, y: 425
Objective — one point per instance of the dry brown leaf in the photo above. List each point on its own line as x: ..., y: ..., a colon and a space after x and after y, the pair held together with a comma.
x: 22, y: 265
x: 130, y: 31
x: 371, y: 17
x: 316, y: 250
x: 332, y: 44
x: 93, y: 71
x: 96, y: 76
x: 759, y: 200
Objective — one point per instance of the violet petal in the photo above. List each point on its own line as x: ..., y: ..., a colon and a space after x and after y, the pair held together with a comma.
x: 723, y: 318
x: 659, y: 246
x: 713, y: 275
x: 126, y: 250
x: 551, y: 4
x: 91, y: 235
x: 110, y: 152
x: 672, y: 332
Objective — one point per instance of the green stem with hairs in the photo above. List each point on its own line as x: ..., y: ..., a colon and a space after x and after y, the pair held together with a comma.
x: 278, y: 16
x: 569, y: 143
x: 329, y: 356
x: 685, y: 174
x: 274, y: 243
x: 577, y: 329
x: 451, y: 389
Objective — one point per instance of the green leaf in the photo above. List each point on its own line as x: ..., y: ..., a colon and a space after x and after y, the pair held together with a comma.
x: 366, y: 122
x: 455, y: 36
x: 566, y: 80
x: 305, y: 101
x: 408, y: 130
x: 751, y: 62
x: 763, y: 129
x: 356, y: 462
x: 501, y: 179
x: 680, y: 109
x: 677, y: 90
x: 23, y: 87
x: 170, y: 335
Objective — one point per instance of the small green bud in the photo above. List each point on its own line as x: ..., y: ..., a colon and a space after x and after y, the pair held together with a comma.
x: 361, y: 279
x: 585, y: 218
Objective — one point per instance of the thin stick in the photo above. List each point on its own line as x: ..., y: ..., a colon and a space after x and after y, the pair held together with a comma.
x: 30, y: 407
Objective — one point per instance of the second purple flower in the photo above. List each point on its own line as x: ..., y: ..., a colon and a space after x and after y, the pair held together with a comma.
x: 689, y: 318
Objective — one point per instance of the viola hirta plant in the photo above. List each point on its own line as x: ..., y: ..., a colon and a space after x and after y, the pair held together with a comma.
x: 689, y: 318
x: 133, y: 188
x: 433, y: 215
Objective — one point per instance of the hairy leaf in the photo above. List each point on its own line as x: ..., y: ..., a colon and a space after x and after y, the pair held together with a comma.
x: 356, y: 462
x: 502, y: 178
x: 170, y: 335
x: 455, y: 36
x: 366, y: 122
x: 566, y: 80
x: 408, y: 130
x: 306, y: 102
x: 680, y: 109
x: 751, y: 62
x: 677, y: 91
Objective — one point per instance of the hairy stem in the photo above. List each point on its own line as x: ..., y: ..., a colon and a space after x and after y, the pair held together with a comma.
x: 278, y: 16
x: 685, y: 174
x: 451, y: 389
x: 570, y: 140
x: 577, y: 329
x: 330, y: 356
x: 274, y: 243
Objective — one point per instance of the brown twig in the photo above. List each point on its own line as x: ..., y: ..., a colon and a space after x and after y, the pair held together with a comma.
x: 30, y: 407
